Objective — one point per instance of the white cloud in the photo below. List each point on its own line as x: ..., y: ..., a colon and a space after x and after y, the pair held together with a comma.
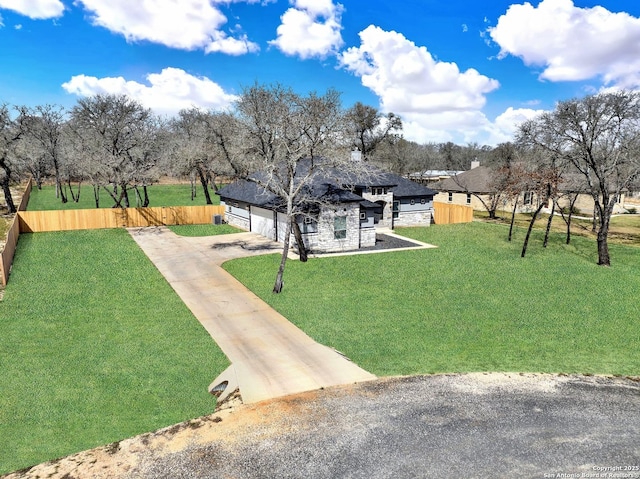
x: 506, y: 124
x: 572, y: 43
x: 182, y: 24
x: 36, y: 9
x: 167, y: 92
x: 432, y: 97
x: 310, y: 29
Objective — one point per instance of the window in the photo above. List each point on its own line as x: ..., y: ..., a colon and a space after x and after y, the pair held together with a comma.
x: 396, y: 209
x: 528, y: 197
x: 308, y: 220
x: 363, y: 216
x: 340, y: 227
x: 468, y: 198
x: 378, y: 191
x: 450, y: 197
x: 423, y: 201
x: 413, y: 202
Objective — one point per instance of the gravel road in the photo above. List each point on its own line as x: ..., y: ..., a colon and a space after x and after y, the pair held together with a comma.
x: 489, y: 425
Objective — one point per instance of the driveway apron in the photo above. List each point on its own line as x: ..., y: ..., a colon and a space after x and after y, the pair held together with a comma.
x: 270, y: 356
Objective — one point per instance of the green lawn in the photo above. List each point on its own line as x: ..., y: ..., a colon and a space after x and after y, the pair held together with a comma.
x: 159, y: 195
x: 470, y: 305
x: 203, y: 230
x: 95, y: 347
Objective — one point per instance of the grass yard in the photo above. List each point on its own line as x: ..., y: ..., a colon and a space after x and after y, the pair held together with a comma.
x: 95, y: 347
x: 623, y: 229
x: 159, y: 195
x: 203, y: 230
x: 470, y: 305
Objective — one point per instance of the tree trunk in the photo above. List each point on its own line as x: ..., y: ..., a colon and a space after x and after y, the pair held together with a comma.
x: 546, y: 233
x: 572, y: 203
x: 205, y: 185
x: 302, y: 250
x: 513, y: 217
x: 145, y: 202
x: 138, y: 196
x: 61, y: 192
x: 125, y: 195
x: 604, y: 216
x: 603, y: 250
x: 533, y: 220
x: 279, y: 284
x: 96, y: 195
x: 75, y: 197
x: 7, y: 194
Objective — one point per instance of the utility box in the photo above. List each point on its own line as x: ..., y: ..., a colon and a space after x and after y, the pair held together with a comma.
x: 217, y: 219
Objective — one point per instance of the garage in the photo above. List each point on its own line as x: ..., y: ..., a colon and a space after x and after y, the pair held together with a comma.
x: 262, y: 222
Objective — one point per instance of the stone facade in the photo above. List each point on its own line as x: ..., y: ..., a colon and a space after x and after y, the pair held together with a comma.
x: 238, y: 217
x: 414, y: 218
x: 325, y: 240
x: 367, y: 237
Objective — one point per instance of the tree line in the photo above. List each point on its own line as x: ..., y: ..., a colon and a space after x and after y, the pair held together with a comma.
x: 117, y: 146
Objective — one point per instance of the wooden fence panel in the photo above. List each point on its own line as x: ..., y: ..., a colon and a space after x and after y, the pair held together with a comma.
x: 6, y: 257
x: 445, y: 213
x: 66, y: 220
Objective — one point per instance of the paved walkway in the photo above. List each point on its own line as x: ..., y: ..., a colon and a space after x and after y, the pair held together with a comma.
x: 270, y: 356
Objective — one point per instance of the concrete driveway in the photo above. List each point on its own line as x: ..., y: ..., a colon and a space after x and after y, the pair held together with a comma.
x: 270, y: 357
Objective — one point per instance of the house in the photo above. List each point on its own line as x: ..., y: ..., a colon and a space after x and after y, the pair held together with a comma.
x: 477, y: 188
x: 340, y: 212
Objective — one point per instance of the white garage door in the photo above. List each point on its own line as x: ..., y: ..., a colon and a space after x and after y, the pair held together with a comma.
x: 262, y: 222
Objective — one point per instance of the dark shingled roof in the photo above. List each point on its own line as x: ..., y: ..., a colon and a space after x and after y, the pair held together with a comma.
x: 330, y: 185
x: 407, y: 188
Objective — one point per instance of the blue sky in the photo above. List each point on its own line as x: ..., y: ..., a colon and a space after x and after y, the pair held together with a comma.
x: 456, y: 70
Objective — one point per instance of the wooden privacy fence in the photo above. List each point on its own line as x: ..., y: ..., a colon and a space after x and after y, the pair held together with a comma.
x: 6, y: 256
x: 446, y: 213
x: 65, y: 220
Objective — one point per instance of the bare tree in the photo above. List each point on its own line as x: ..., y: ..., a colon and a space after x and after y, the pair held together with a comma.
x: 196, y: 147
x: 368, y: 128
x: 11, y: 132
x: 44, y: 126
x: 599, y: 136
x: 488, y: 185
x: 284, y: 142
x: 119, y: 136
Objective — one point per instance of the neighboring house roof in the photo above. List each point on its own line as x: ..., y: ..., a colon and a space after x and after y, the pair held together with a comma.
x: 478, y: 180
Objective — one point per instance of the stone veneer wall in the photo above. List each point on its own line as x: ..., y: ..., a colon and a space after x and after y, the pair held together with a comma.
x: 236, y: 221
x: 414, y: 218
x: 367, y: 237
x: 324, y: 240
